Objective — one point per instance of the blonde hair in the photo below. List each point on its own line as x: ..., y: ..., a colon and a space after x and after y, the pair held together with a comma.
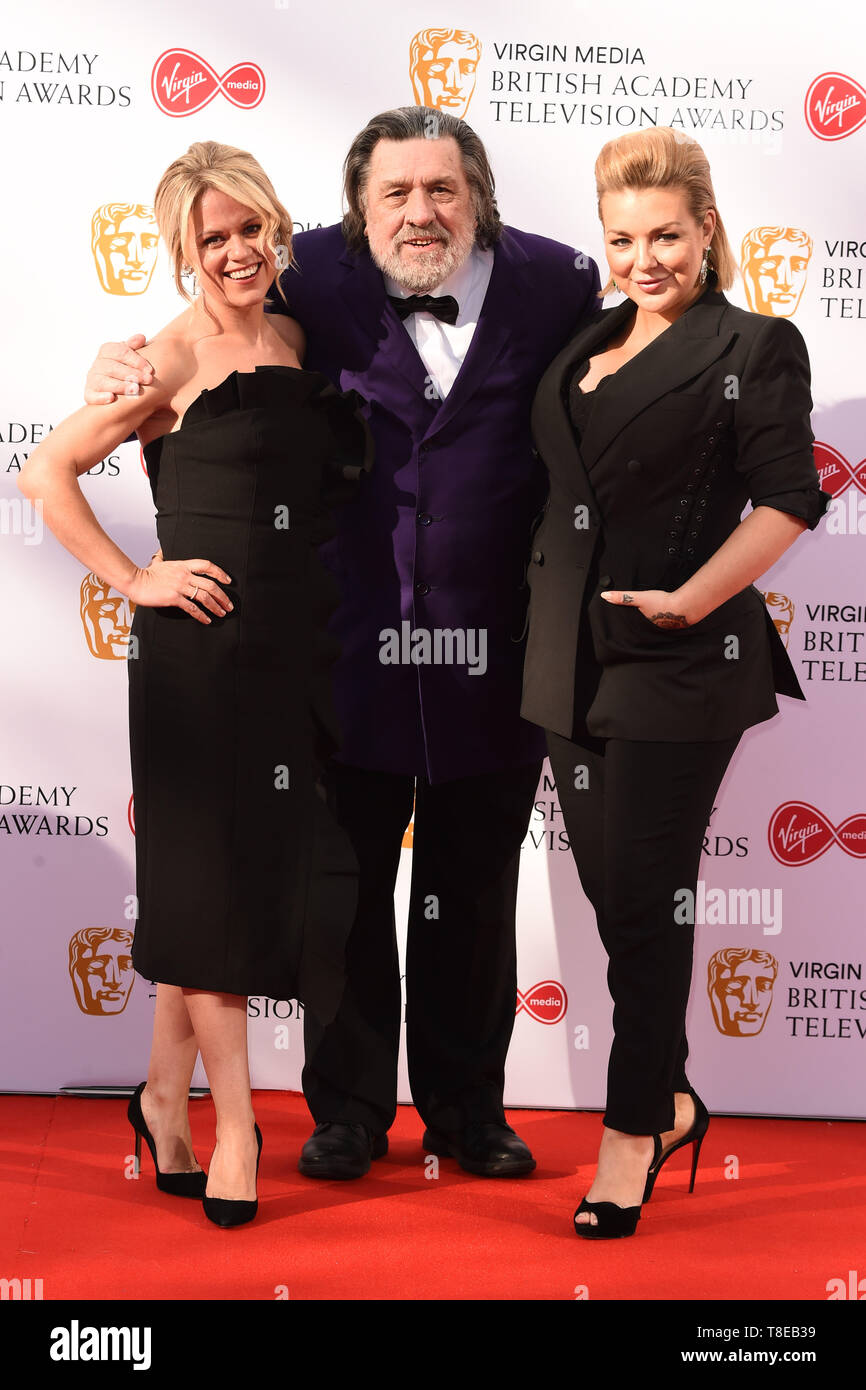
x: 664, y: 158
x: 228, y: 170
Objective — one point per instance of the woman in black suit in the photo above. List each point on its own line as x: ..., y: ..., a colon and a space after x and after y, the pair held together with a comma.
x: 649, y: 651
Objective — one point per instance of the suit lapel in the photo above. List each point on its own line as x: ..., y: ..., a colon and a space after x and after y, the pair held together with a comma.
x: 501, y: 310
x: 362, y: 290
x: 691, y: 345
x: 551, y: 421
x: 688, y: 347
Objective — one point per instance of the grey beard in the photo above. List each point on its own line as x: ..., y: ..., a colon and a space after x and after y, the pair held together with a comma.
x: 420, y: 279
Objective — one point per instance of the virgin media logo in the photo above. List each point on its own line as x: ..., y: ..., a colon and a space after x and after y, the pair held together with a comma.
x: 545, y: 1002
x: 835, y: 106
x: 182, y: 83
x: 799, y: 833
x: 835, y: 472
x: 130, y: 814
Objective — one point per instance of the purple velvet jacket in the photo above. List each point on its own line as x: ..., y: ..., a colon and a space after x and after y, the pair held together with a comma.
x: 439, y: 537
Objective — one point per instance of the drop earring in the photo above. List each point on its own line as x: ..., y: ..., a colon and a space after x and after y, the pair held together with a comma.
x: 705, y: 264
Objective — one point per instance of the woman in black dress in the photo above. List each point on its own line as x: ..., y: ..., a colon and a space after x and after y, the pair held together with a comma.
x: 649, y: 650
x: 245, y: 883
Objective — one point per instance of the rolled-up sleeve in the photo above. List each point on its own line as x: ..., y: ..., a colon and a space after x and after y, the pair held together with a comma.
x: 774, y: 436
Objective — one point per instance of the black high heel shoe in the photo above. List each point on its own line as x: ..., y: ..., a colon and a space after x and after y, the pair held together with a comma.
x: 227, y: 1211
x: 695, y: 1137
x: 612, y: 1221
x: 177, y: 1184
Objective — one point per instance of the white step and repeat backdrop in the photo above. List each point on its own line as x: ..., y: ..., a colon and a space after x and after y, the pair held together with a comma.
x: 92, y: 109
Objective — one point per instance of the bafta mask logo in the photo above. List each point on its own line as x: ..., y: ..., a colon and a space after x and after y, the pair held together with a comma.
x: 774, y: 261
x: 100, y: 967
x: 781, y: 610
x: 107, y: 619
x: 124, y: 240
x: 442, y: 65
x: 740, y: 985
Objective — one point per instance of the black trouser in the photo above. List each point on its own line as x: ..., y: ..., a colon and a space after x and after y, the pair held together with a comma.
x: 636, y: 830
x: 461, y: 980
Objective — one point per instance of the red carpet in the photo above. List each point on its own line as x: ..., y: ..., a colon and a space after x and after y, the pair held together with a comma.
x: 793, y: 1220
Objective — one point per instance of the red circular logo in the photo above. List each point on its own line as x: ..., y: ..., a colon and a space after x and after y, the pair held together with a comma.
x: 545, y: 1002
x: 183, y: 83
x: 835, y: 472
x: 835, y: 106
x: 799, y: 833
x: 130, y: 814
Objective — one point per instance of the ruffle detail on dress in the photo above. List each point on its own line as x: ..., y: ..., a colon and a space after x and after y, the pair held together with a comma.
x: 268, y: 386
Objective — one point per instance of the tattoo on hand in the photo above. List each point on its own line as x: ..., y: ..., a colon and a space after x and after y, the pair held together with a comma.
x: 627, y: 598
x: 669, y: 620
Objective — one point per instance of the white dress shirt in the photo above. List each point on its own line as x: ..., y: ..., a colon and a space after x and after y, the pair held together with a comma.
x: 443, y: 346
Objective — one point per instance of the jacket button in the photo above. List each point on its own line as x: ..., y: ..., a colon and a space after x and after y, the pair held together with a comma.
x: 634, y: 465
x: 678, y: 517
x: 605, y: 581
x: 424, y: 518
x: 711, y: 439
x: 719, y: 424
x: 672, y: 550
x: 422, y: 588
x: 538, y: 557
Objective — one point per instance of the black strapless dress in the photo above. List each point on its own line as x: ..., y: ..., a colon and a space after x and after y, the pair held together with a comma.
x: 245, y: 882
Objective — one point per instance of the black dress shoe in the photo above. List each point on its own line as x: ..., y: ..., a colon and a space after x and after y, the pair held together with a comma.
x: 337, y: 1150
x: 489, y: 1149
x: 695, y: 1137
x: 230, y: 1211
x: 178, y: 1184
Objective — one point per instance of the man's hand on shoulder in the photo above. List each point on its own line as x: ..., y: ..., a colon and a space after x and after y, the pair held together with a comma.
x: 118, y: 371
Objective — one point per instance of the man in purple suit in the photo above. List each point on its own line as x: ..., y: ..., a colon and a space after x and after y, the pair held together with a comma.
x: 443, y: 320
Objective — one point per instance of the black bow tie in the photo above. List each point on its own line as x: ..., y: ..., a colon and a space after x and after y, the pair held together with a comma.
x: 443, y: 306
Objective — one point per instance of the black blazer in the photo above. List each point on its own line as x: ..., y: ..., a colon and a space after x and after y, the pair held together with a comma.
x: 712, y: 414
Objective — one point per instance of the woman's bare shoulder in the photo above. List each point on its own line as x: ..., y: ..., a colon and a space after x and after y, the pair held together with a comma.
x: 171, y: 354
x: 290, y: 332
